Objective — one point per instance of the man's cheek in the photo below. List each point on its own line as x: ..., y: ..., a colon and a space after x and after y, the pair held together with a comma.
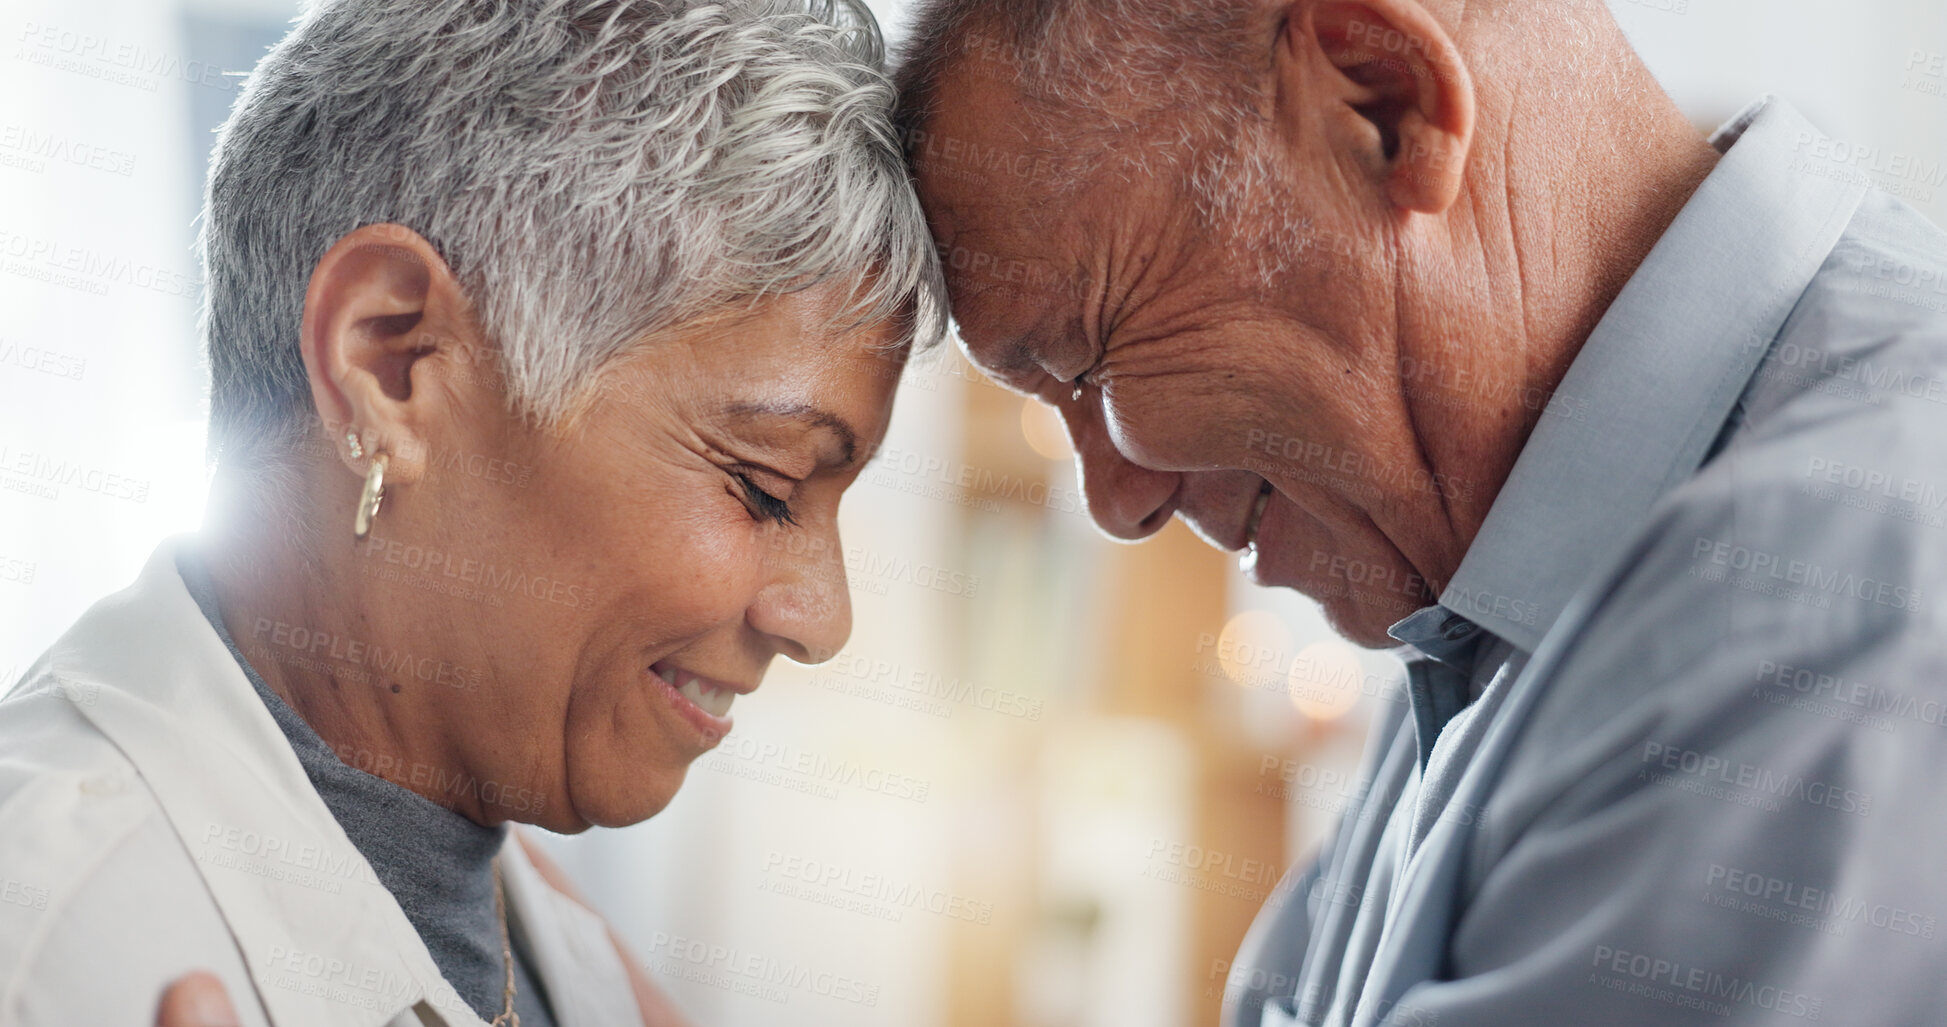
x: 1149, y: 431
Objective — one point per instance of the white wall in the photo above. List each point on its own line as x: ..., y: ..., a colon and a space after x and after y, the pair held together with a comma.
x: 1849, y: 67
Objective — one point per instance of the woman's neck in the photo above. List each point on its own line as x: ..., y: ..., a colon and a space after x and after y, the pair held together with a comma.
x: 308, y: 625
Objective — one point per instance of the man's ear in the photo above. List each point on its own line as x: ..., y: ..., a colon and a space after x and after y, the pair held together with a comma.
x: 1399, y: 81
x: 382, y: 305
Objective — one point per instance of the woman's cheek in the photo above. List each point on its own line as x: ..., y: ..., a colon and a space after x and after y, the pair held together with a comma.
x: 737, y: 556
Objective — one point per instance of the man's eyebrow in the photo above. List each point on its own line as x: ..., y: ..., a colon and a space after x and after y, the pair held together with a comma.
x: 816, y: 416
x: 1017, y: 358
x: 1017, y: 355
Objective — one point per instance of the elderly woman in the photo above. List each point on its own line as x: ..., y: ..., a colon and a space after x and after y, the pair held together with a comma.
x: 544, y: 334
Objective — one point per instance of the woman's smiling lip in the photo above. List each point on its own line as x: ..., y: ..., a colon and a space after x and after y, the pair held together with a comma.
x: 704, y: 702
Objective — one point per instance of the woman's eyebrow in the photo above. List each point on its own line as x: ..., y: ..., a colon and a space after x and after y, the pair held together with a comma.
x: 817, y: 417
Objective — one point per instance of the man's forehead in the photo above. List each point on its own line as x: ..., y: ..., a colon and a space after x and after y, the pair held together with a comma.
x: 980, y: 145
x: 1009, y: 218
x: 1007, y: 288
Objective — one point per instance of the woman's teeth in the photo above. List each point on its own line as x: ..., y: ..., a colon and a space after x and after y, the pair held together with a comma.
x: 714, y: 701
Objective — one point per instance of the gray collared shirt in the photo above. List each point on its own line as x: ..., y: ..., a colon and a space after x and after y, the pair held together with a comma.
x: 1675, y: 744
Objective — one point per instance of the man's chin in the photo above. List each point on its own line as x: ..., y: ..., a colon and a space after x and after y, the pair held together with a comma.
x: 1363, y: 624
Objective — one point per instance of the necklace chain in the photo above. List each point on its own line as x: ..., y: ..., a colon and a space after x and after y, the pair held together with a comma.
x: 507, y: 1017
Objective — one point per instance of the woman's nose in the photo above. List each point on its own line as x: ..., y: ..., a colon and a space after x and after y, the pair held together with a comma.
x: 1127, y: 500
x: 805, y: 607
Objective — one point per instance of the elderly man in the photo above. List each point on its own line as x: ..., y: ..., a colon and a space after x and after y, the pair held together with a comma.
x: 1441, y: 313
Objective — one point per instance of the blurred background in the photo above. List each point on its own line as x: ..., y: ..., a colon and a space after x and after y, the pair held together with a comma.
x: 1051, y: 778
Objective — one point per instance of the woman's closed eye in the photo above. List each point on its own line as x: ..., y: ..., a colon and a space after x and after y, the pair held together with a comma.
x: 763, y: 505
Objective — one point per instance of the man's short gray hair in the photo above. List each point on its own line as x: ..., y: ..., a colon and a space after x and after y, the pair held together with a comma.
x: 1097, y: 72
x: 592, y: 170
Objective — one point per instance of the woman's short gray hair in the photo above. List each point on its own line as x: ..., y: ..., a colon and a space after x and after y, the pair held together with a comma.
x: 592, y: 170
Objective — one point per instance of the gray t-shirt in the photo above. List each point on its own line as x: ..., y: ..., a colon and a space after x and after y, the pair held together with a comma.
x: 435, y: 862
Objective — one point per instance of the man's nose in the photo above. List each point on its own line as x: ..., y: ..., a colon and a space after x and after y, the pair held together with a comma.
x: 805, y: 608
x: 1127, y: 500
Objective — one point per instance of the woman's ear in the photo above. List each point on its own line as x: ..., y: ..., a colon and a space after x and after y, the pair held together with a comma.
x: 381, y: 310
x: 1390, y: 65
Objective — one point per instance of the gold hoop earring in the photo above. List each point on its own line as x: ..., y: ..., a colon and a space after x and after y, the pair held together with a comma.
x: 368, y: 501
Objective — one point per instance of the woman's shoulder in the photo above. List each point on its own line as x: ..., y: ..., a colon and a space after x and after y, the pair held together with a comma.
x: 61, y: 779
x: 94, y: 884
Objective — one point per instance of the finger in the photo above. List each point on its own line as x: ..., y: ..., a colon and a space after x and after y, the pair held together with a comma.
x: 196, y: 1000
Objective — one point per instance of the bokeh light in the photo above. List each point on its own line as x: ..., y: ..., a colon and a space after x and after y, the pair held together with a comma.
x: 1325, y: 679
x: 1254, y: 648
x: 1044, y: 430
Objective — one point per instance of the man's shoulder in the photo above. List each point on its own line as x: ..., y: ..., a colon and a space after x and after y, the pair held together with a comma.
x: 1812, y: 548
x: 1825, y: 507
x: 1823, y: 510
x: 1870, y: 328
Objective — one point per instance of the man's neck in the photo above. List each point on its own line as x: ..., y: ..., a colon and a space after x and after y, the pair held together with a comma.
x: 1560, y: 211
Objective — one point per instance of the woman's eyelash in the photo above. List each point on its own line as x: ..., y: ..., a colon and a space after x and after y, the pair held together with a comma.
x: 768, y: 506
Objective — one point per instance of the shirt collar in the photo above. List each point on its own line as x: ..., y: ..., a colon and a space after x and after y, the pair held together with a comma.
x: 1656, y: 381
x: 292, y: 888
